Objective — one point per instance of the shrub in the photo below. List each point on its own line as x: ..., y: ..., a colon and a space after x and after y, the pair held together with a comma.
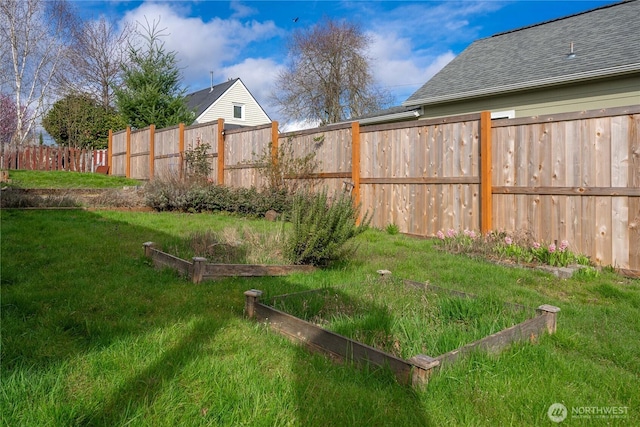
x: 10, y: 198
x: 321, y: 227
x: 171, y: 193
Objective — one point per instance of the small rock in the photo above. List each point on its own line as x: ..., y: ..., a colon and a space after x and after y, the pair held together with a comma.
x: 271, y: 215
x: 384, y: 273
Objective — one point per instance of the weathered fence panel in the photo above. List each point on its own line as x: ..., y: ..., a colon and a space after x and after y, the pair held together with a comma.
x: 118, y: 153
x: 332, y: 148
x: 206, y: 133
x: 139, y: 154
x: 571, y: 178
x: 167, y: 156
x: 423, y: 177
x: 242, y: 152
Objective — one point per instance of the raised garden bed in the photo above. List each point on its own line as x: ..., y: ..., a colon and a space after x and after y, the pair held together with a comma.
x: 415, y: 369
x: 199, y: 269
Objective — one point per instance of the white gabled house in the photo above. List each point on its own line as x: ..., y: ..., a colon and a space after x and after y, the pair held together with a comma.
x: 230, y: 101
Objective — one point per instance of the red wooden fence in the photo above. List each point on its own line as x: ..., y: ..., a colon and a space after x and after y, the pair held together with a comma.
x: 47, y: 158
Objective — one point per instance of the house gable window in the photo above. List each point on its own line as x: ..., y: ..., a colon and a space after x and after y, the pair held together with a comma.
x: 238, y: 111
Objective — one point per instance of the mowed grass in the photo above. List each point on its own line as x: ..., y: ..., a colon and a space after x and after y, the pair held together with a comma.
x: 93, y: 335
x: 66, y: 179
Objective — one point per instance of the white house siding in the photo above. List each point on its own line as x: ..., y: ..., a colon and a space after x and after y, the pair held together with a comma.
x: 254, y: 115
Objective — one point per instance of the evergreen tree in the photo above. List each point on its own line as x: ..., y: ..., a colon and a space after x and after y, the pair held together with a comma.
x: 151, y: 91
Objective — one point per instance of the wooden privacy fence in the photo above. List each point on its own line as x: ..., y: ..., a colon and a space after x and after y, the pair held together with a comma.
x: 572, y: 177
x: 47, y: 158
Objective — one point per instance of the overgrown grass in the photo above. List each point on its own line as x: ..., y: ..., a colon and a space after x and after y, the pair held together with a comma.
x: 261, y: 244
x: 401, y: 319
x: 93, y: 335
x: 65, y: 179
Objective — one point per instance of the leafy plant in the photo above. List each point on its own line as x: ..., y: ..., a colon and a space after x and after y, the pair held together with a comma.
x: 283, y: 171
x: 321, y: 227
x: 197, y: 161
x: 392, y: 229
x: 520, y: 248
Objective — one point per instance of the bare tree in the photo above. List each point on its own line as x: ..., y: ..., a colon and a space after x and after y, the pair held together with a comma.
x: 33, y: 34
x: 328, y: 78
x: 97, y: 52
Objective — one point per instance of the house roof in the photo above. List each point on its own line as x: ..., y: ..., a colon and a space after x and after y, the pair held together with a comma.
x: 201, y: 100
x: 606, y: 42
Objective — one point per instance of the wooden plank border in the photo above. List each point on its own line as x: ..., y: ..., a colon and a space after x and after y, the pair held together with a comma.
x: 199, y: 270
x: 415, y: 371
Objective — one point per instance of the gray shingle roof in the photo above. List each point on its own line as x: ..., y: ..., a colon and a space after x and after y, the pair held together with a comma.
x: 201, y: 100
x: 606, y: 42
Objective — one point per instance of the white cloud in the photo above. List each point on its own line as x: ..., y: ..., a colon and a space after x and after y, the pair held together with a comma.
x: 297, y: 125
x: 399, y: 67
x: 258, y: 75
x: 202, y: 46
x: 241, y: 10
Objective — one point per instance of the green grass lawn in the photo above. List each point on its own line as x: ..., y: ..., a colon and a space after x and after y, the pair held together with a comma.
x: 65, y: 179
x: 93, y: 335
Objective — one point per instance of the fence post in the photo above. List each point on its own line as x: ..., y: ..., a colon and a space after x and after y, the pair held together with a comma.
x: 127, y: 163
x: 486, y: 197
x: 355, y: 161
x: 109, y: 151
x: 181, y: 148
x: 274, y: 142
x: 220, y: 151
x: 152, y: 150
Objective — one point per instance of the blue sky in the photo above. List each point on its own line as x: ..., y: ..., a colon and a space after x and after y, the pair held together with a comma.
x: 411, y: 40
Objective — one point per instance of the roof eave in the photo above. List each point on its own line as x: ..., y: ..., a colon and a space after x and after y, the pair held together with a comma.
x: 413, y: 114
x: 516, y: 87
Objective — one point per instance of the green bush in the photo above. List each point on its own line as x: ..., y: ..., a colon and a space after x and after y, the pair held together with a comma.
x: 321, y: 228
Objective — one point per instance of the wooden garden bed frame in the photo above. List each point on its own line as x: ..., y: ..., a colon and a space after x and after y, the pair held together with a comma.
x: 414, y: 371
x: 200, y: 269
